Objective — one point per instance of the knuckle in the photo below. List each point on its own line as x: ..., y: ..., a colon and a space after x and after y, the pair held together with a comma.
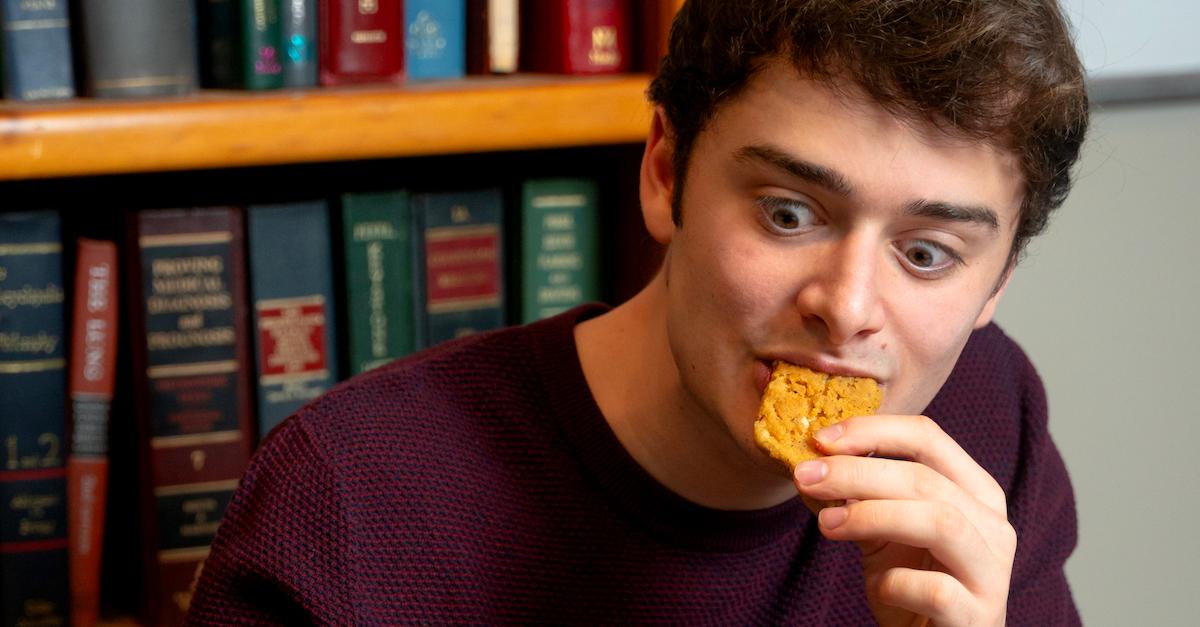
x: 928, y: 426
x: 940, y: 594
x: 949, y: 522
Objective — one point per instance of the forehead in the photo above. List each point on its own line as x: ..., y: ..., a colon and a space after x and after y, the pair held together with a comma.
x: 835, y: 124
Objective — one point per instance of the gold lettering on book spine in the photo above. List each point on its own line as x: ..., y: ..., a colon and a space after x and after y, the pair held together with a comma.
x: 604, y: 51
x: 368, y: 7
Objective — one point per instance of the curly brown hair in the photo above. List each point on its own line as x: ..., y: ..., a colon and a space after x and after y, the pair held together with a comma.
x: 1000, y: 71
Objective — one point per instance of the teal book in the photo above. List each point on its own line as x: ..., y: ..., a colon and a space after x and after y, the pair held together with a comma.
x: 435, y: 39
x: 377, y: 243
x: 560, y: 246
x: 33, y: 410
x: 37, y: 49
x: 461, y: 275
x: 291, y: 284
x: 262, y: 40
x: 299, y: 28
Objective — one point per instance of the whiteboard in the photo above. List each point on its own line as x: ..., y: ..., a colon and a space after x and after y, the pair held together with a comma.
x: 1125, y: 38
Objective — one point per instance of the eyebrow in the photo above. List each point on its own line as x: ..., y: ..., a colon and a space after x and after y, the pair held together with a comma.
x: 811, y: 172
x: 954, y: 213
x: 832, y: 180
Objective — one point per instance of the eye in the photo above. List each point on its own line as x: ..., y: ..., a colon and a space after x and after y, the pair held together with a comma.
x: 928, y: 259
x: 786, y: 216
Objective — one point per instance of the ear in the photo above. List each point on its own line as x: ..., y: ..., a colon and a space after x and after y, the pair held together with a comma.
x: 989, y: 308
x: 657, y: 184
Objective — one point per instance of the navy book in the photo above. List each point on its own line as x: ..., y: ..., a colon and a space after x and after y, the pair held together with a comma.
x: 435, y: 38
x: 37, y: 50
x: 299, y: 26
x: 33, y: 390
x: 293, y: 307
x: 461, y: 278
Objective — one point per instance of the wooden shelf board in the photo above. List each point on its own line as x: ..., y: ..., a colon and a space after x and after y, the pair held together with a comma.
x: 217, y: 129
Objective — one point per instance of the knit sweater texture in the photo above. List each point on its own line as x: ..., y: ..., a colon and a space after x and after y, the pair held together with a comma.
x: 477, y: 482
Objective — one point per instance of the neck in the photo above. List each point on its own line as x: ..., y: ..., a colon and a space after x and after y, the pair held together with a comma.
x: 628, y: 363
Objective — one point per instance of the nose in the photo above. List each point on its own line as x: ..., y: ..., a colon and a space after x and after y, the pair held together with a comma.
x: 840, y: 300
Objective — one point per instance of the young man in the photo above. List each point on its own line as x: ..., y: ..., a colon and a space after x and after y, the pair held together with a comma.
x: 841, y: 185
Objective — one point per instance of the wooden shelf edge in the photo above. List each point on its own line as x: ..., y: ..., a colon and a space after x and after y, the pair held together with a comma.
x: 235, y: 129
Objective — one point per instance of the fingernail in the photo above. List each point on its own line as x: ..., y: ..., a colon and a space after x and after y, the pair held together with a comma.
x: 829, y: 434
x: 811, y: 472
x: 833, y: 517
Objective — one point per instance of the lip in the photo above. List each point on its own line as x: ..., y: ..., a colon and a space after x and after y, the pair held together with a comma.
x: 820, y: 364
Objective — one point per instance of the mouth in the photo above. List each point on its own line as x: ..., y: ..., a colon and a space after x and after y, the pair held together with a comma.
x: 762, y: 368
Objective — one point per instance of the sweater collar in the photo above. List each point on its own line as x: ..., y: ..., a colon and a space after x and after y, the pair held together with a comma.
x: 628, y: 486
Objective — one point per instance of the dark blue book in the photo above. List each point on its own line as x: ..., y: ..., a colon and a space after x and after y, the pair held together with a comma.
x: 460, y: 277
x: 435, y: 38
x: 33, y: 390
x: 37, y: 49
x: 293, y: 305
x: 299, y: 25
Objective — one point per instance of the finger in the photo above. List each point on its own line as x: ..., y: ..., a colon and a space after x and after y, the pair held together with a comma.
x: 943, y: 530
x: 919, y: 439
x: 933, y: 594
x: 843, y: 477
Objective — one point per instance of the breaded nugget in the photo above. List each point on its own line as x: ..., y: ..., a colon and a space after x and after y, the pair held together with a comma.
x: 798, y: 402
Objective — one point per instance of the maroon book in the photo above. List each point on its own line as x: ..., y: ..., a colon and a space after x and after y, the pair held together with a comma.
x: 577, y: 37
x: 192, y: 389
x: 361, y: 41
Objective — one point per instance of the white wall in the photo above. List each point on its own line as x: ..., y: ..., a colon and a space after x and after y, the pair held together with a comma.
x: 1108, y: 306
x: 1123, y: 37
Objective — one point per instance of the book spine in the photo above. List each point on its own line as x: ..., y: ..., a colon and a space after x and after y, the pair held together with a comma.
x: 262, y: 63
x: 361, y: 41
x: 503, y: 40
x: 299, y: 25
x: 37, y: 50
x: 598, y: 34
x: 560, y: 246
x: 462, y: 263
x: 91, y: 381
x: 192, y: 389
x: 140, y: 48
x: 294, y: 320
x: 33, y: 509
x: 654, y: 30
x: 378, y: 247
x: 435, y: 38
x: 219, y: 43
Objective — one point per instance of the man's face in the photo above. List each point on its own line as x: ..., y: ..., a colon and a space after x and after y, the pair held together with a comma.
x: 818, y: 229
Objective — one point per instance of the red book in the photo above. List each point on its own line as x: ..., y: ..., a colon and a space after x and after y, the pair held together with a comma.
x: 577, y: 37
x: 361, y: 41
x: 192, y: 389
x: 654, y: 29
x: 90, y: 385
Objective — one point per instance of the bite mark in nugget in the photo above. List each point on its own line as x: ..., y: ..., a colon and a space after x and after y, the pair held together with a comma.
x: 798, y: 402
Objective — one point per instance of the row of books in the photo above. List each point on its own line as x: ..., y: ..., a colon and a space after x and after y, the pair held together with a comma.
x: 236, y: 318
x: 141, y: 48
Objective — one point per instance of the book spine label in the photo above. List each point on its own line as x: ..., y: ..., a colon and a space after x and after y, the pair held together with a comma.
x: 37, y: 50
x: 361, y: 41
x: 598, y: 36
x: 196, y: 421
x: 299, y: 26
x: 463, y: 252
x: 91, y: 383
x: 140, y: 48
x: 33, y: 508
x: 503, y: 39
x: 435, y: 38
x: 560, y: 247
x: 294, y: 320
x: 378, y: 240
x: 262, y: 63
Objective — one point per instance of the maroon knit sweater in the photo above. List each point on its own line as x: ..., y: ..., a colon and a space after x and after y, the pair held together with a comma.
x: 477, y: 482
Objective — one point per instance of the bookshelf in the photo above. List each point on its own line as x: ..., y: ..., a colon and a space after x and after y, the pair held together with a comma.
x: 225, y: 129
x: 95, y: 160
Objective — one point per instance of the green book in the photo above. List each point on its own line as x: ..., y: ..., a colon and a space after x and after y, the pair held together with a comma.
x: 262, y: 39
x: 559, y: 246
x: 378, y: 248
